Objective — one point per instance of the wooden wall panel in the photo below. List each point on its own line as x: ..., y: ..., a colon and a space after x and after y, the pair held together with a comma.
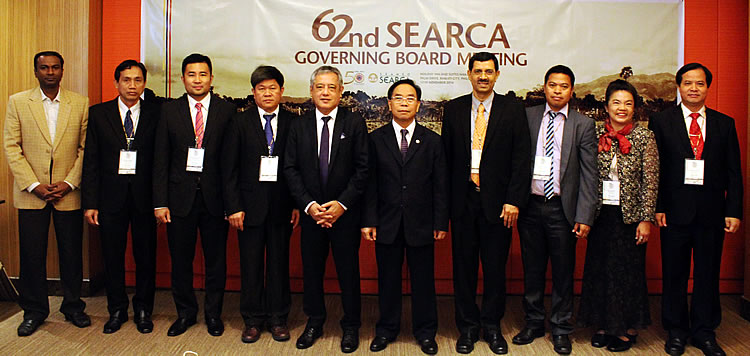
x: 27, y: 27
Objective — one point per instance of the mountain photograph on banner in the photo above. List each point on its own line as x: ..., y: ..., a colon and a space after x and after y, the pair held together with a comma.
x: 375, y: 43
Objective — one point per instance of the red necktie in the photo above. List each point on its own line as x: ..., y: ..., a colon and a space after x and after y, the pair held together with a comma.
x: 198, y: 125
x: 696, y: 136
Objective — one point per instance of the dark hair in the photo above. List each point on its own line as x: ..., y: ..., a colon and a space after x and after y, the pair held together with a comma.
x: 482, y: 57
x: 48, y: 53
x: 691, y: 66
x: 127, y: 64
x: 196, y: 58
x: 562, y: 70
x: 618, y: 85
x: 408, y: 82
x: 265, y: 73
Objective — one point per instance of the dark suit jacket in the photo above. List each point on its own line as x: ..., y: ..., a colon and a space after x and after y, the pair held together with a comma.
x: 579, y: 175
x: 505, y: 168
x: 721, y: 193
x: 414, y: 189
x: 174, y: 186
x: 244, y: 144
x: 347, y: 168
x: 101, y: 186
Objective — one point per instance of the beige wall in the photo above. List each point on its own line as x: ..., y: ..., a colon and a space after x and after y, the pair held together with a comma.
x: 27, y: 27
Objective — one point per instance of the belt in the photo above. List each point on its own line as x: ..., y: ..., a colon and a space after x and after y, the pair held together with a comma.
x: 543, y: 199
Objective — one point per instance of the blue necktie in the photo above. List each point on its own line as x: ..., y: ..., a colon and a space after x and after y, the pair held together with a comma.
x: 323, y: 157
x: 269, y: 132
x: 128, y: 125
x: 549, y: 150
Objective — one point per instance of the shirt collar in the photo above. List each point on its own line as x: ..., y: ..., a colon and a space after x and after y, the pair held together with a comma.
x: 397, y: 128
x: 319, y: 115
x: 487, y: 102
x: 205, y: 102
x: 262, y: 112
x: 686, y: 112
x: 563, y: 111
x: 45, y: 97
x: 124, y: 108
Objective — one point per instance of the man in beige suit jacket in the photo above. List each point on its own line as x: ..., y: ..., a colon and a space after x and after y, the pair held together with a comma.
x: 45, y: 130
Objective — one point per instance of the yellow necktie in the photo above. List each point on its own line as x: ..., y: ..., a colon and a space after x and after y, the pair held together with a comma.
x: 477, y: 141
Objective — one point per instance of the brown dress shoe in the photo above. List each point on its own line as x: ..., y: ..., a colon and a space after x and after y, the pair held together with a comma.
x: 250, y: 334
x: 280, y: 332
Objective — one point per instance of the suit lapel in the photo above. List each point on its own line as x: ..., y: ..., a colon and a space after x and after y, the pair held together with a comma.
x: 495, y: 114
x: 63, y: 117
x: 415, y: 144
x: 281, y: 128
x: 183, y: 115
x: 388, y: 140
x: 711, y: 133
x: 338, y: 129
x: 312, y: 127
x: 465, y: 125
x: 535, y: 120
x: 679, y: 128
x: 568, y: 143
x: 145, y: 120
x: 257, y: 128
x: 37, y: 111
x: 113, y: 118
x: 213, y: 114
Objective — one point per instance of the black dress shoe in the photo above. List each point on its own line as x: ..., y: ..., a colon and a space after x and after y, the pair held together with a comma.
x: 465, y: 342
x: 675, y: 346
x: 79, y: 319
x: 214, y: 326
x: 28, y: 326
x: 180, y: 326
x: 350, y: 341
x: 379, y: 343
x: 527, y: 335
x: 562, y: 344
x: 619, y: 345
x: 709, y: 347
x: 115, y: 321
x: 600, y: 340
x: 309, y: 336
x: 496, y: 341
x: 428, y: 346
x: 143, y: 323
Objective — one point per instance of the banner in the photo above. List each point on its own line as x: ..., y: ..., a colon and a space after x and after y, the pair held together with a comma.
x: 375, y: 43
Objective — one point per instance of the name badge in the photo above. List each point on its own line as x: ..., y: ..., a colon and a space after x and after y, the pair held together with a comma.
x: 127, y: 162
x: 269, y: 168
x: 611, y: 192
x: 476, y: 158
x: 694, y: 171
x: 542, y: 167
x: 195, y: 159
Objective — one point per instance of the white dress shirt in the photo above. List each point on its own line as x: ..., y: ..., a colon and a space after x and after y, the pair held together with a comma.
x: 204, y: 109
x: 319, y: 128
x: 537, y: 185
x: 689, y: 120
x: 274, y: 121
x: 397, y: 129
x: 135, y: 113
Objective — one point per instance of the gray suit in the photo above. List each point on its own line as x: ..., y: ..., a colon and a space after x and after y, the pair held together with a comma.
x: 545, y: 225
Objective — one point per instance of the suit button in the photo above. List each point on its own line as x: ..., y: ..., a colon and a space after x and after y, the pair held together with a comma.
x: 403, y: 187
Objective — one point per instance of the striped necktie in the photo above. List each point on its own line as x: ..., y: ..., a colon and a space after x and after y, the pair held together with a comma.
x: 198, y: 125
x: 404, y: 143
x: 549, y: 150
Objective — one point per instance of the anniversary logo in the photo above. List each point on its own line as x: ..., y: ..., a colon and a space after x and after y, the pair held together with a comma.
x: 375, y: 43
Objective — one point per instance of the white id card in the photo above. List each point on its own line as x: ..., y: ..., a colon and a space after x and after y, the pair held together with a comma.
x: 542, y: 167
x: 127, y: 162
x: 195, y: 159
x: 611, y: 192
x: 269, y: 168
x: 694, y: 171
x: 476, y: 158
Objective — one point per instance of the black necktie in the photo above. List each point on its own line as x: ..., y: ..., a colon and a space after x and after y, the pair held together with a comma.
x: 404, y: 143
x: 323, y: 156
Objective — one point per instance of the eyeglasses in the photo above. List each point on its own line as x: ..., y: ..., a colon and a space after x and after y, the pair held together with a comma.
x: 400, y: 99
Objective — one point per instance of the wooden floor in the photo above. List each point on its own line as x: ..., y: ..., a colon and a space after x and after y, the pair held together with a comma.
x: 56, y: 337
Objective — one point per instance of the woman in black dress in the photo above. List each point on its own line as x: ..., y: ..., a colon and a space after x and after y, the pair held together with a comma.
x: 614, y: 297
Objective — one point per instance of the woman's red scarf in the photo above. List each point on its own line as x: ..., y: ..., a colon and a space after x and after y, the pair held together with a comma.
x: 605, y: 140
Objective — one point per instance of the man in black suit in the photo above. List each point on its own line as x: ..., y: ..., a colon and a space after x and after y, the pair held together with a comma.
x: 406, y: 208
x: 326, y: 169
x: 700, y: 199
x: 116, y: 192
x: 561, y: 206
x: 188, y: 191
x: 257, y: 201
x: 485, y: 199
